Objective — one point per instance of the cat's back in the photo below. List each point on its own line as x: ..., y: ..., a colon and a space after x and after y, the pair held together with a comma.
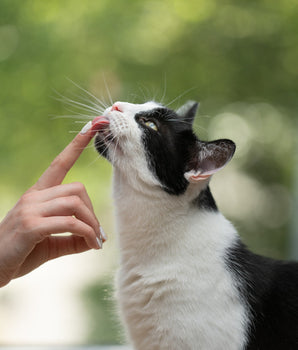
x: 270, y: 289
x: 276, y: 327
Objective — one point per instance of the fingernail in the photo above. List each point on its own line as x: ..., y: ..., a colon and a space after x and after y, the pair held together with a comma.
x: 99, y: 242
x: 102, y: 232
x: 86, y: 128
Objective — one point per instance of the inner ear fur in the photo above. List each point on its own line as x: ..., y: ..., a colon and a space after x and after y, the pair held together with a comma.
x: 210, y: 158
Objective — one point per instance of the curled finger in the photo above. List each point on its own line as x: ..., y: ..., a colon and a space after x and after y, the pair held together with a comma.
x: 70, y: 206
x: 63, y: 224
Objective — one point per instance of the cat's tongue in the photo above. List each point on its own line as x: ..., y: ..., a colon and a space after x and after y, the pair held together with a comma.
x: 99, y: 123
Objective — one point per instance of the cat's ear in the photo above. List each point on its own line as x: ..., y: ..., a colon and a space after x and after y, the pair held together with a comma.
x: 210, y: 158
x: 188, y: 111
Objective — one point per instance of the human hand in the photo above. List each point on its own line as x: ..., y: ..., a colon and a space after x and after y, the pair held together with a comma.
x: 50, y: 207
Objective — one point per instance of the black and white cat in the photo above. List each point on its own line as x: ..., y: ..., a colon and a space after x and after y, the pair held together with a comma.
x: 186, y: 281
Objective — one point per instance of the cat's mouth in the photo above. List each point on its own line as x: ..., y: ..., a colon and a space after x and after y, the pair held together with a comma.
x: 104, y: 134
x: 105, y: 138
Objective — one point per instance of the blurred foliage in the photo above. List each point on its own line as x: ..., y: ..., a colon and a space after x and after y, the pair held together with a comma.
x: 239, y: 58
x: 99, y: 301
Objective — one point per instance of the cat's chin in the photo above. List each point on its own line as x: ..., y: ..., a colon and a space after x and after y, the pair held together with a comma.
x: 108, y: 145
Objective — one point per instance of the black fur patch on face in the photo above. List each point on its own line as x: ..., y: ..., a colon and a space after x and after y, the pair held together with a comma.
x: 169, y: 148
x: 101, y: 147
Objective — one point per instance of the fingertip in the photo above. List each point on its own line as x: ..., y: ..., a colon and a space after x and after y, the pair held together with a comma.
x: 86, y: 128
x: 99, y: 242
x: 103, y: 235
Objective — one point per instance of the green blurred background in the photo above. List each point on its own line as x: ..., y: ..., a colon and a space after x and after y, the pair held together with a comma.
x: 238, y: 58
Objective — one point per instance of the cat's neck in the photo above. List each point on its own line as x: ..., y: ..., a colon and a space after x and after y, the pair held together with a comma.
x: 152, y: 221
x: 145, y: 204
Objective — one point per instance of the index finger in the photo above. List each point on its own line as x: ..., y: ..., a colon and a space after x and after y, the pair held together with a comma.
x: 60, y: 166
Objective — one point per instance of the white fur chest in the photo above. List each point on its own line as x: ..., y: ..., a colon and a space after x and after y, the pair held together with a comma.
x: 174, y: 289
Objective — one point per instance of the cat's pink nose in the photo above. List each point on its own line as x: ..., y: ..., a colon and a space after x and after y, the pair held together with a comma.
x: 116, y: 107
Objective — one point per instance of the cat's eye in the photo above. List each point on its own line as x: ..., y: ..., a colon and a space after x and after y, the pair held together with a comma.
x: 151, y: 125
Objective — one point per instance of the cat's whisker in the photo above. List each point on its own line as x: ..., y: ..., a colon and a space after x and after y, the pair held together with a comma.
x: 108, y: 91
x: 181, y: 95
x: 94, y: 161
x: 107, y: 146
x: 105, y: 101
x: 100, y: 107
x: 98, y: 157
x: 82, y: 106
x: 164, y: 90
x: 80, y: 122
x: 115, y: 149
x: 177, y: 120
x: 88, y: 93
x: 71, y: 102
x: 93, y: 105
x: 142, y: 89
x: 87, y: 147
x: 155, y: 96
x: 199, y: 129
x: 206, y: 116
x: 194, y: 125
x: 78, y: 116
x: 106, y: 141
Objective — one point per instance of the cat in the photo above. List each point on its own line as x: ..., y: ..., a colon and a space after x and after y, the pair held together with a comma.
x: 186, y: 281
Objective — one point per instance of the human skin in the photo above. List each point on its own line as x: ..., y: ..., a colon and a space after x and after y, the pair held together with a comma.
x: 47, y: 208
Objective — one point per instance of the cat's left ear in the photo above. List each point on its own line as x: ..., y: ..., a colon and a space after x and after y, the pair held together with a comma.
x: 188, y: 111
x: 211, y: 157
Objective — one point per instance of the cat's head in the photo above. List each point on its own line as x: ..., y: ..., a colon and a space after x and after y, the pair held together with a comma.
x: 157, y: 146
